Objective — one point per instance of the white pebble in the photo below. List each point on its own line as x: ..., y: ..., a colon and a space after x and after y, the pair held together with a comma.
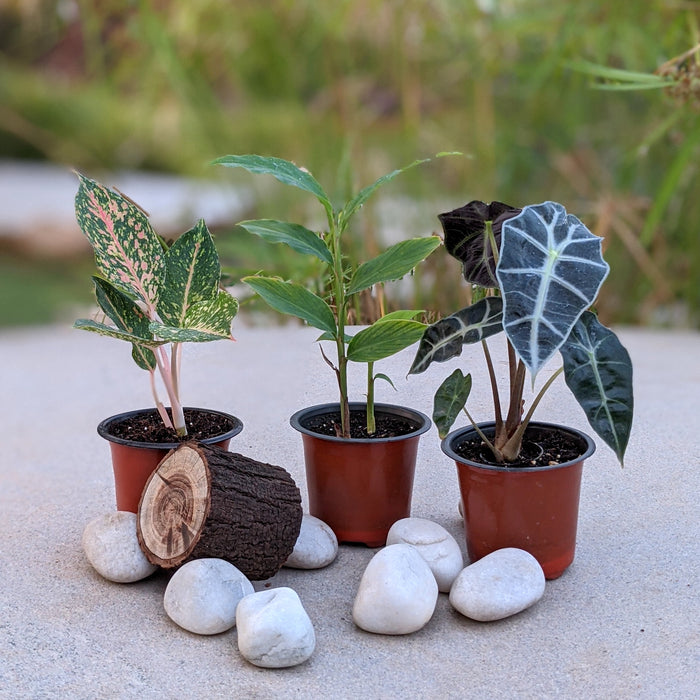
x: 203, y: 594
x: 112, y: 548
x: 274, y: 630
x: 397, y: 593
x: 316, y: 546
x: 437, y: 546
x: 501, y: 584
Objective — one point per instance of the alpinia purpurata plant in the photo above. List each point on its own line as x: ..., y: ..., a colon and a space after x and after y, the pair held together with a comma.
x: 158, y: 296
x: 384, y: 337
x: 536, y: 272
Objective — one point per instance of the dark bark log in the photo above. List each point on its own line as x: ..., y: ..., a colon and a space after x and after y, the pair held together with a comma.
x: 205, y: 502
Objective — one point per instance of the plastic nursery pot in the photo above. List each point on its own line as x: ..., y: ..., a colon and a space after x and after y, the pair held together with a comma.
x: 360, y: 487
x: 133, y: 461
x: 535, y: 509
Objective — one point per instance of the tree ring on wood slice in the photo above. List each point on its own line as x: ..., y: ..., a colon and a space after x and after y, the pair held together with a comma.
x: 203, y: 501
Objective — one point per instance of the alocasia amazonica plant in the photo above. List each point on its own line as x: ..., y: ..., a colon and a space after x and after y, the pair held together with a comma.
x: 386, y: 336
x: 158, y: 296
x: 536, y: 272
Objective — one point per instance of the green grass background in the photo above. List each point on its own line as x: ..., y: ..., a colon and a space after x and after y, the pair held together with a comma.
x: 353, y: 89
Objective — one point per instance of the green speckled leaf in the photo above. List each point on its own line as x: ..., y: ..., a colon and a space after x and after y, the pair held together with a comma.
x: 127, y: 316
x: 85, y: 324
x: 204, y: 321
x: 192, y: 274
x: 127, y: 250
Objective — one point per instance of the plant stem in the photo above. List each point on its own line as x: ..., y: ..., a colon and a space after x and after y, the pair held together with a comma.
x: 512, y: 448
x: 498, y: 416
x: 337, y: 273
x: 515, y: 407
x: 371, y: 421
x: 166, y: 375
x: 496, y: 453
x: 159, y: 404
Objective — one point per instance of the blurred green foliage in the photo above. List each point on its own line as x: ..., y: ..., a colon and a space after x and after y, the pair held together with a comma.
x: 354, y: 88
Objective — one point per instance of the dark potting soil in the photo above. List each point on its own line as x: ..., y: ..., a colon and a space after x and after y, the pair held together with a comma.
x: 540, y: 448
x: 149, y: 427
x: 388, y: 425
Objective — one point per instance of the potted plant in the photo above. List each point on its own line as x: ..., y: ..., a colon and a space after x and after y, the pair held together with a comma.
x: 157, y: 296
x: 535, y: 272
x: 360, y: 457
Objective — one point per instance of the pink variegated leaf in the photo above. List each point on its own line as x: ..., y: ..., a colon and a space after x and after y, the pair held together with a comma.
x: 127, y: 250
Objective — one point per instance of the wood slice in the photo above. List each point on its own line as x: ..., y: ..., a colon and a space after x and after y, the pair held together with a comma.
x: 203, y: 501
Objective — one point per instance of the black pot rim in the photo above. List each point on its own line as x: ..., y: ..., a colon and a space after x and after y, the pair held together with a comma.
x: 320, y: 409
x: 457, y: 435
x: 103, y: 429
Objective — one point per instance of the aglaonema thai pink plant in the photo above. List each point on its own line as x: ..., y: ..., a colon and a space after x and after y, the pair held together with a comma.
x: 158, y: 296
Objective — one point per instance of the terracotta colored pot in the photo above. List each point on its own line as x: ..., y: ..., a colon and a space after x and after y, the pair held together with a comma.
x: 535, y: 509
x: 360, y: 487
x: 133, y: 461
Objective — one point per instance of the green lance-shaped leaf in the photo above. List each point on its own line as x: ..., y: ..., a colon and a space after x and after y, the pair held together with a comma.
x: 364, y: 194
x: 127, y: 250
x: 467, y: 238
x: 295, y: 300
x: 445, y: 339
x: 295, y: 236
x: 128, y: 316
x: 192, y: 274
x: 383, y: 339
x: 393, y: 263
x: 450, y: 399
x: 283, y: 170
x: 204, y: 321
x: 598, y: 370
x: 550, y: 270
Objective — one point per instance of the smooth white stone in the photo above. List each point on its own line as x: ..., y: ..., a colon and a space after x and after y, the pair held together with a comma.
x: 203, y: 594
x: 498, y: 585
x: 437, y: 546
x: 397, y: 593
x: 316, y: 546
x: 112, y: 548
x: 274, y: 630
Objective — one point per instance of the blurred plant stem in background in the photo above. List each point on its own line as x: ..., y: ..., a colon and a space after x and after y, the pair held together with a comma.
x: 353, y: 88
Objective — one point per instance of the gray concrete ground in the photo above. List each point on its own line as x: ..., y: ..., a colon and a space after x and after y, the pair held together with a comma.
x: 621, y: 623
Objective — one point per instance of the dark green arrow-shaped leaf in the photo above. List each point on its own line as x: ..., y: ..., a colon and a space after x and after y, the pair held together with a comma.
x: 450, y: 399
x: 467, y: 238
x: 445, y: 339
x: 550, y: 271
x: 598, y: 370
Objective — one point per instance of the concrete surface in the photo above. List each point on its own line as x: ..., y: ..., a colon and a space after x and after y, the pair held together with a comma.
x: 621, y: 623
